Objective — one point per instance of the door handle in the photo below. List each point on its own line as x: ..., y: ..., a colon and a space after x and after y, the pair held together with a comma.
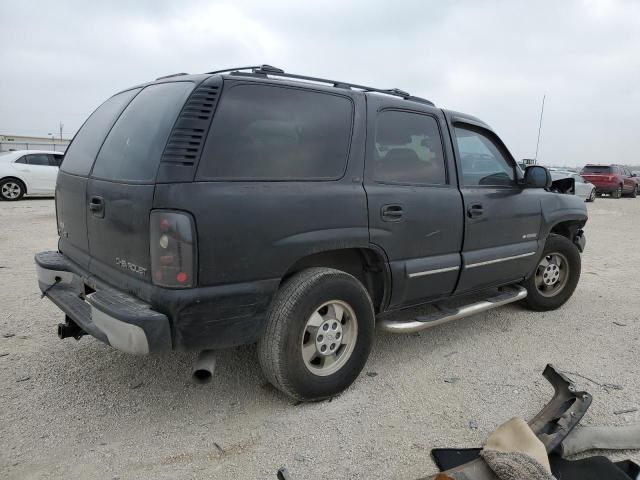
x: 391, y: 213
x: 476, y: 210
x: 96, y: 206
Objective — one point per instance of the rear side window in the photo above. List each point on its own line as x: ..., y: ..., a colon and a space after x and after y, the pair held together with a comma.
x: 82, y: 152
x: 41, y: 159
x: 408, y: 149
x: 135, y: 144
x: 275, y: 133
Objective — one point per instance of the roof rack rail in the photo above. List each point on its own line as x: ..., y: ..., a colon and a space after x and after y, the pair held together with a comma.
x: 172, y: 75
x: 264, y: 70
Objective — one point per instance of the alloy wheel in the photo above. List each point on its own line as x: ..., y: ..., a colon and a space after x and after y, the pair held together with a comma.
x: 552, y: 274
x: 11, y: 190
x: 329, y: 337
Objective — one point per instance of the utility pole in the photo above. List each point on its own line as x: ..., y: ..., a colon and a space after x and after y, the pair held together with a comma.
x: 539, y: 128
x: 62, y: 125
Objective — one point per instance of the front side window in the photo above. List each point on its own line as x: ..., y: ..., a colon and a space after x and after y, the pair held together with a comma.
x: 408, y: 149
x: 482, y: 162
x: 264, y: 132
x: 135, y: 144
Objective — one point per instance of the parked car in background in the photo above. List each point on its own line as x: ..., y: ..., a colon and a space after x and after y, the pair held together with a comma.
x: 28, y: 172
x: 572, y: 183
x: 615, y: 180
x: 636, y: 175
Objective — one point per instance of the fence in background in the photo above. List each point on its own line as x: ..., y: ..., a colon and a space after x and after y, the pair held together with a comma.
x: 56, y: 146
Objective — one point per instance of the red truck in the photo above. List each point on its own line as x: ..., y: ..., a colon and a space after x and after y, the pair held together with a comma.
x: 616, y: 180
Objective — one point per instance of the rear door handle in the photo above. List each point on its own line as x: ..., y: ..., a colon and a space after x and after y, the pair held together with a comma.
x: 96, y: 206
x: 476, y: 210
x: 391, y: 213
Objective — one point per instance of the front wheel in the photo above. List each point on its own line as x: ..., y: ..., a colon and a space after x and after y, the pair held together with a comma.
x: 319, y: 334
x: 634, y: 193
x: 556, y: 275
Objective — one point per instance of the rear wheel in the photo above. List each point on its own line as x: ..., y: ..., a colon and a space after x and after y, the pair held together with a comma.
x: 319, y: 334
x: 556, y: 275
x: 634, y: 193
x: 617, y: 193
x: 11, y: 189
x: 592, y: 196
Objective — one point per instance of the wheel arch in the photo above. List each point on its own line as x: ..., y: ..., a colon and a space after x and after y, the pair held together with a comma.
x: 18, y: 179
x: 368, y: 264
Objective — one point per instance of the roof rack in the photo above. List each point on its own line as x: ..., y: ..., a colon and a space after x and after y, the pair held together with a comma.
x: 268, y: 70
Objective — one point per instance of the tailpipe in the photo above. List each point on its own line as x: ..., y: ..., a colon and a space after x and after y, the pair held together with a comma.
x: 204, y: 367
x: 69, y: 329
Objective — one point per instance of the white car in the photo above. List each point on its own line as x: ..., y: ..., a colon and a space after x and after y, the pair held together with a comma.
x: 581, y: 187
x: 28, y: 172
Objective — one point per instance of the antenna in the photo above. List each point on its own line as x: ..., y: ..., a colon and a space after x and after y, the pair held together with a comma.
x: 539, y: 129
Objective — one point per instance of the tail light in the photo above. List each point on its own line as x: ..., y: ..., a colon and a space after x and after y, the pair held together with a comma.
x: 173, y: 249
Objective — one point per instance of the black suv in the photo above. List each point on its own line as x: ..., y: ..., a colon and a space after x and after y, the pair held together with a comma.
x: 198, y: 212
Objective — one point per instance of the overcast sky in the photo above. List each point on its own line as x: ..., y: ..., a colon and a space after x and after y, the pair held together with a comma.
x: 494, y: 60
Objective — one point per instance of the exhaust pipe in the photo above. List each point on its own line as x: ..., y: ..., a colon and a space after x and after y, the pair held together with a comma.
x: 204, y: 367
x: 69, y: 329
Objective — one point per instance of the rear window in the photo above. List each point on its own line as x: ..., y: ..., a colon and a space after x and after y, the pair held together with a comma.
x: 274, y: 133
x: 135, y: 144
x: 595, y: 169
x: 82, y: 152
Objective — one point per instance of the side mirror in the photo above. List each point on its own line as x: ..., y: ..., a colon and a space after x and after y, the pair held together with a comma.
x: 634, y: 175
x: 536, y: 176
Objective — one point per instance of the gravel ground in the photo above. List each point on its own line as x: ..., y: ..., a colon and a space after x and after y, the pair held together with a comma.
x: 83, y: 410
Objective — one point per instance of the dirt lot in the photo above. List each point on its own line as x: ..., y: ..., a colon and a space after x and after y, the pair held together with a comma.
x: 83, y: 410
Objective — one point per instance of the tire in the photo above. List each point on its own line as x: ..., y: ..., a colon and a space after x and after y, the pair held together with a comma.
x: 297, y: 304
x: 11, y: 189
x: 617, y: 193
x: 634, y: 193
x: 592, y: 196
x: 550, y: 297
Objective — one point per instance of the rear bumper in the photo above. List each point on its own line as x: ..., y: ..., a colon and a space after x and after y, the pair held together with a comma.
x: 120, y: 320
x: 167, y: 319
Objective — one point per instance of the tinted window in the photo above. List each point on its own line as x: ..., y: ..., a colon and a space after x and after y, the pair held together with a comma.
x: 595, y: 169
x: 21, y: 160
x: 38, y: 159
x: 82, y: 152
x: 55, y: 160
x: 272, y: 133
x: 135, y: 144
x: 482, y: 162
x: 408, y: 149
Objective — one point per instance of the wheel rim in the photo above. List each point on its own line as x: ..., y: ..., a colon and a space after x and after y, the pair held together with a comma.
x: 552, y: 274
x: 593, y: 195
x: 11, y: 190
x: 329, y: 337
x: 619, y: 192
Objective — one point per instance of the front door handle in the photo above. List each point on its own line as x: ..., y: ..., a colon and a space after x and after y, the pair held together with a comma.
x: 476, y: 210
x: 391, y: 213
x: 96, y: 206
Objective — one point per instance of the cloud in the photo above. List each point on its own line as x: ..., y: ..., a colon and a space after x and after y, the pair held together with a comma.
x: 493, y: 59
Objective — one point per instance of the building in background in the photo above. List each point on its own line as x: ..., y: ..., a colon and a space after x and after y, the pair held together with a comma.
x: 10, y: 143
